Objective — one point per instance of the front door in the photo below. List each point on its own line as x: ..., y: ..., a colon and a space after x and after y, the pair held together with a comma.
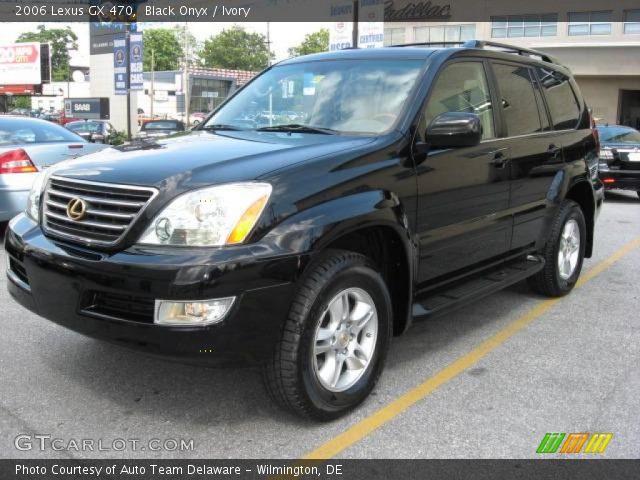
x: 463, y: 194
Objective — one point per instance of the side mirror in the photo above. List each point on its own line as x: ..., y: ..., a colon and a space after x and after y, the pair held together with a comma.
x: 454, y: 130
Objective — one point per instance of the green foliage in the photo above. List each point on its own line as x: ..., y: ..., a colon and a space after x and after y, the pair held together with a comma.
x: 236, y: 49
x: 118, y: 138
x: 316, y: 42
x: 167, y: 50
x: 61, y: 39
x: 22, y: 102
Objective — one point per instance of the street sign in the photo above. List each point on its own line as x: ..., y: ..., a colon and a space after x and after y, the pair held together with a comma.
x: 120, y: 64
x: 136, y: 56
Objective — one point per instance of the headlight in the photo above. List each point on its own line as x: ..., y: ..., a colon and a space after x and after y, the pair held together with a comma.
x: 33, y: 202
x: 213, y: 216
x: 606, y: 154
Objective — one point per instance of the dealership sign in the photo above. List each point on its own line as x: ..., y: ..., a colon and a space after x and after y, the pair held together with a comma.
x: 120, y: 64
x: 370, y: 25
x: 20, y: 63
x: 136, y: 56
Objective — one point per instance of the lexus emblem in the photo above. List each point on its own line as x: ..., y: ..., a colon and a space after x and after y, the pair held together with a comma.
x: 76, y: 209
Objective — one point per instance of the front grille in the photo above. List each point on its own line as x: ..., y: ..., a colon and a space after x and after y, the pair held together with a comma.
x: 115, y: 305
x: 110, y: 210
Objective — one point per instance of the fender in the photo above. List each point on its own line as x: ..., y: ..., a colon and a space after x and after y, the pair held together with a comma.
x: 571, y: 179
x: 312, y: 230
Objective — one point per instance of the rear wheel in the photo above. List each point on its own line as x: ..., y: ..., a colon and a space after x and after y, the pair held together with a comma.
x: 335, y: 339
x: 638, y: 192
x: 563, y: 253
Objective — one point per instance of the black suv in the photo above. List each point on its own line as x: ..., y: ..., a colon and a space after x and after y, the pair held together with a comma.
x: 416, y: 180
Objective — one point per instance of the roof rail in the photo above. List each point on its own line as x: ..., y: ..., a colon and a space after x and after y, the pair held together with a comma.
x: 527, y: 52
x: 428, y: 44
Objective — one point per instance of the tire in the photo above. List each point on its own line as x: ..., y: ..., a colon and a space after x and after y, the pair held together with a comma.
x: 552, y: 280
x: 638, y: 192
x: 295, y: 378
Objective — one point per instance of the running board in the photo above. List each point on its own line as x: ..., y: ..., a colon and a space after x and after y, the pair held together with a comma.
x: 450, y: 297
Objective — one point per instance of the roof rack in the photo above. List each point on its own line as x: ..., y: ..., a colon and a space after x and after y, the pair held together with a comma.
x: 428, y: 44
x: 526, y: 52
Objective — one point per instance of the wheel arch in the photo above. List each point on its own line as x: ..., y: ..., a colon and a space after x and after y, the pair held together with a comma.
x: 372, y: 223
x: 581, y: 192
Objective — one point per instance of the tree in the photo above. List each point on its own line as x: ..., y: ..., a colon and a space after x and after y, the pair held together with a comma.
x: 167, y: 50
x: 236, y: 49
x: 62, y: 40
x: 315, y: 42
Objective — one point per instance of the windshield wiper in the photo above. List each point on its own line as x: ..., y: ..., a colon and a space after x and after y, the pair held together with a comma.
x: 299, y: 128
x: 221, y: 126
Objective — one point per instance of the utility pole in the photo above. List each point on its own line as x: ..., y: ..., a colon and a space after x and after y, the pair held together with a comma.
x: 186, y: 76
x: 153, y: 80
x: 269, y: 44
x: 127, y: 36
x: 356, y: 7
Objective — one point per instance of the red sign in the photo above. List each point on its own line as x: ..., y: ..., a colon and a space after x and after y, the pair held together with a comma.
x: 20, y: 62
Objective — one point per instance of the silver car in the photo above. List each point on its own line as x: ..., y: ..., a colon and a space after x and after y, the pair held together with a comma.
x: 27, y: 146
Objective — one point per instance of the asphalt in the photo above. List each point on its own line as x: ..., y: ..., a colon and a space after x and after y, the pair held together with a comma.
x: 574, y: 368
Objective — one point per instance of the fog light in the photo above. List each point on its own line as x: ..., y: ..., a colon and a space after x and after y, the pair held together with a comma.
x: 204, y: 312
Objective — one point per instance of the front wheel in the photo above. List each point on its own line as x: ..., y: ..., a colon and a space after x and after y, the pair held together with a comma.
x: 563, y: 253
x: 335, y: 339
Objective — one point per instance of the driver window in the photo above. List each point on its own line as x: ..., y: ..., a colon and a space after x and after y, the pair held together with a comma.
x: 462, y: 87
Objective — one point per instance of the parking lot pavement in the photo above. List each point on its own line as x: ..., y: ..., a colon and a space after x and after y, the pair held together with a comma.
x: 573, y: 368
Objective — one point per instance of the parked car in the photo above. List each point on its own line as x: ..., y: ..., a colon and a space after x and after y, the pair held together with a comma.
x: 160, y: 128
x: 28, y: 146
x: 54, y: 117
x: 95, y: 131
x: 423, y: 179
x: 196, y: 117
x: 619, y: 164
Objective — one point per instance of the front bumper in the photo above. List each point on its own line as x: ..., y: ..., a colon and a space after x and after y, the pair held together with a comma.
x: 621, y: 179
x: 110, y: 295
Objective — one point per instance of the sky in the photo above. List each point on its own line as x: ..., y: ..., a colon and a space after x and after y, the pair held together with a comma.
x: 283, y: 35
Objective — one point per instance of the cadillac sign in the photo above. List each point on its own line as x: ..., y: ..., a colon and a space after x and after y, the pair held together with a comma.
x: 415, y: 11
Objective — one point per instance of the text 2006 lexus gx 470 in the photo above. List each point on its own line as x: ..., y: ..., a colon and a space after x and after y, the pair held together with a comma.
x: 412, y: 180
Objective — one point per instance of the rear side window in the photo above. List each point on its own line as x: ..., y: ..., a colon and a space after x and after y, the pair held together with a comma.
x: 563, y: 105
x: 462, y: 87
x: 518, y: 99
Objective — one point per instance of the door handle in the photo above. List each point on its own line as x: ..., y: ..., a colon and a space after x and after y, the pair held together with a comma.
x: 554, y: 150
x: 499, y: 160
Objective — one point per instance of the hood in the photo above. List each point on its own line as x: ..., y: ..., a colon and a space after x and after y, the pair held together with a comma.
x: 201, y: 158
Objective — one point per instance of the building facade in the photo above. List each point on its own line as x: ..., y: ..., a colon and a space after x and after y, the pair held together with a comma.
x: 601, y: 46
x: 208, y: 88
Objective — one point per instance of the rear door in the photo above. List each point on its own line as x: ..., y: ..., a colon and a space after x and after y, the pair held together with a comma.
x: 463, y: 193
x: 540, y: 114
x: 536, y: 149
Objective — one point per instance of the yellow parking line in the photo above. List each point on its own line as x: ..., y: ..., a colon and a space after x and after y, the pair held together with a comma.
x: 379, y: 418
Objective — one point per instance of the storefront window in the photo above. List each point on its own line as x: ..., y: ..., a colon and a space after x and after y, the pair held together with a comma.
x: 590, y: 23
x: 440, y: 34
x: 394, y: 36
x: 207, y: 93
x: 514, y: 26
x: 632, y: 22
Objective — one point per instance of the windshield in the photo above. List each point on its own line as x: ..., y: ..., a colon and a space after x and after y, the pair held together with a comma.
x: 619, y: 135
x: 355, y: 96
x: 24, y: 131
x: 84, y: 127
x: 160, y: 126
